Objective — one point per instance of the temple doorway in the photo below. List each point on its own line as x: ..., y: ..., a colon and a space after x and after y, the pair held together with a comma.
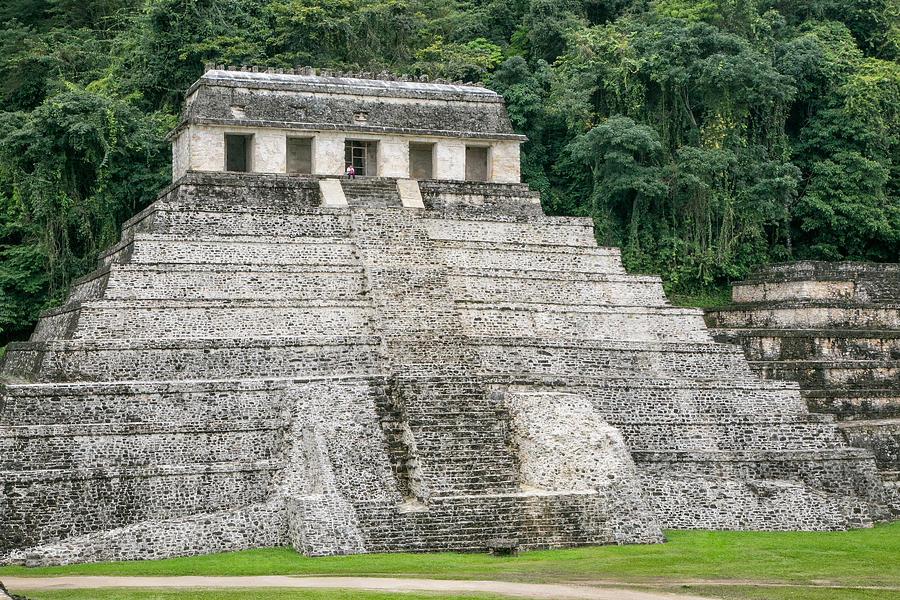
x: 363, y: 156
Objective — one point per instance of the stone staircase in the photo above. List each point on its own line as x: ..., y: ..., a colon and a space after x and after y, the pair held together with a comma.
x: 687, y: 407
x: 371, y: 192
x: 835, y: 329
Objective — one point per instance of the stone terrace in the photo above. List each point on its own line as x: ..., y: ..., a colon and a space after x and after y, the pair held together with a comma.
x: 835, y: 329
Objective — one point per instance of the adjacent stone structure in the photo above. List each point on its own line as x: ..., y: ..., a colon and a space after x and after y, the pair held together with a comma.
x: 385, y: 364
x: 835, y: 329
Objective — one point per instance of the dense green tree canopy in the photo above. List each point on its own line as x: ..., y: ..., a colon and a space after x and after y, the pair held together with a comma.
x: 702, y: 136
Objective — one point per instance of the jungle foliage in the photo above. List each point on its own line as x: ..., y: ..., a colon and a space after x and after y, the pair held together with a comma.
x: 702, y: 136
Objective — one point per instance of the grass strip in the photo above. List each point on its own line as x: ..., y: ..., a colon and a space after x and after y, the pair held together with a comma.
x: 856, y: 558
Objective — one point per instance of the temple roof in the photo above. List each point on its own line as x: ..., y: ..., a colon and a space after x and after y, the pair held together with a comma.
x: 347, y: 85
x: 387, y: 104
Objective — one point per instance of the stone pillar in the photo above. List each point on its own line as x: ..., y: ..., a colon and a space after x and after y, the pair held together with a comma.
x: 504, y: 162
x: 450, y: 160
x: 269, y: 151
x: 393, y: 157
x: 181, y: 154
x: 207, y: 148
x: 328, y: 154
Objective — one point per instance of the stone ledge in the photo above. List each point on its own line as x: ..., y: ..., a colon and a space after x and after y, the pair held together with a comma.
x: 50, y: 475
x: 95, y: 429
x: 841, y: 363
x: 177, y: 386
x: 554, y: 307
x: 792, y: 305
x: 667, y: 383
x: 819, y: 271
x: 602, y: 251
x: 453, y: 217
x: 165, y: 304
x: 750, y: 456
x: 536, y: 274
x: 193, y: 343
x: 752, y: 332
x: 630, y: 345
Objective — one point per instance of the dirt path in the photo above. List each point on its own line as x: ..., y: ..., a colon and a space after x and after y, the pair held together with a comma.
x: 384, y: 584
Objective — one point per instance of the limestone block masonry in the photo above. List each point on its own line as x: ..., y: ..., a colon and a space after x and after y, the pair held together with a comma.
x: 835, y: 329
x: 253, y: 365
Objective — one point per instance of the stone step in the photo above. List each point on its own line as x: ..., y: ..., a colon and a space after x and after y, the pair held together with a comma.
x: 850, y: 404
x: 724, y: 500
x: 888, y: 475
x: 465, y: 523
x: 151, y: 248
x: 233, y: 282
x: 236, y: 402
x: 536, y: 356
x: 794, y: 315
x: 241, y: 220
x: 190, y: 359
x: 480, y: 199
x: 532, y: 257
x: 563, y: 292
x: 880, y: 436
x: 730, y: 401
x: 569, y: 321
x: 691, y: 437
x: 182, y: 319
x: 817, y: 292
x: 552, y: 233
x: 219, y: 282
x: 130, y: 495
x: 821, y: 281
x: 660, y: 384
x: 832, y: 373
x: 805, y: 344
x: 68, y: 446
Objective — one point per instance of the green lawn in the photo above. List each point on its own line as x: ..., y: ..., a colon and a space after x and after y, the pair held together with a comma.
x: 861, y: 557
x: 856, y: 559
x: 776, y: 593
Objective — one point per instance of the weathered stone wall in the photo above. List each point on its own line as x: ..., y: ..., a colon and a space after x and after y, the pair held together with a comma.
x: 835, y: 329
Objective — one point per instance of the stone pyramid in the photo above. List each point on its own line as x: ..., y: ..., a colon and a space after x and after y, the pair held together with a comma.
x: 384, y: 364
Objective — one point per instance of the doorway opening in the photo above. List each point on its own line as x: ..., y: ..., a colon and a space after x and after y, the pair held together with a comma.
x: 476, y: 163
x: 421, y: 160
x: 237, y: 152
x: 299, y: 155
x: 363, y: 156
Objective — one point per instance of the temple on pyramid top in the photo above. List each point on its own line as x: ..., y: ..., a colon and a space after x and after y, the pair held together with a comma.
x: 298, y: 122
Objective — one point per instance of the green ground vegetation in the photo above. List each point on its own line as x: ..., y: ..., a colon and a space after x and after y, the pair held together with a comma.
x: 702, y: 136
x: 857, y: 559
x: 791, y: 593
